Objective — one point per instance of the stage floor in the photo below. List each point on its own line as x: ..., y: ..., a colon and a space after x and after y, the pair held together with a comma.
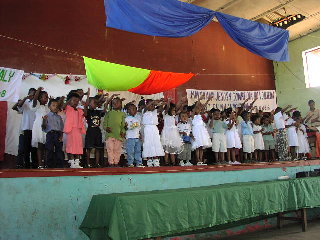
x: 18, y: 173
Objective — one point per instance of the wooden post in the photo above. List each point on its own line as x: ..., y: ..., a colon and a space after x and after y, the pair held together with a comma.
x: 304, y: 219
x: 279, y: 220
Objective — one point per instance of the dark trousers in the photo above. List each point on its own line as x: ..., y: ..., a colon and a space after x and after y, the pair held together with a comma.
x: 27, y: 149
x: 20, y: 157
x: 55, y: 154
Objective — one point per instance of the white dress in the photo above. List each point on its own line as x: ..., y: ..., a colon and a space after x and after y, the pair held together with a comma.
x: 200, y: 133
x: 292, y: 134
x: 258, y: 138
x: 170, y: 137
x: 152, y: 146
x: 39, y: 136
x: 233, y: 138
x: 303, y: 141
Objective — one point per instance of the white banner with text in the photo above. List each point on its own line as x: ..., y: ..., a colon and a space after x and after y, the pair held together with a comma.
x: 266, y: 99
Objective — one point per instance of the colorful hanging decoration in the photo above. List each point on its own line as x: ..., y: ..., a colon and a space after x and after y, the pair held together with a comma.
x: 173, y: 18
x: 115, y: 77
x: 66, y: 78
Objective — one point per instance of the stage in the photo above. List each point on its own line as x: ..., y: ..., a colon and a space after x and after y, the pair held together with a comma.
x: 51, y: 203
x: 17, y: 173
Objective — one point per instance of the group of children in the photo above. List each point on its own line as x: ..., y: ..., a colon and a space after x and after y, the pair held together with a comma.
x: 153, y: 130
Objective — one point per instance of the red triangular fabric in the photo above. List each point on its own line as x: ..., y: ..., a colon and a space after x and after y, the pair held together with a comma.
x: 158, y: 81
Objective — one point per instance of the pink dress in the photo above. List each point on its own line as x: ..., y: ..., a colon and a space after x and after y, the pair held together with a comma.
x: 74, y: 128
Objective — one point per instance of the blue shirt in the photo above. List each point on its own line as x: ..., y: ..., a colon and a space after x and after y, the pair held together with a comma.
x: 54, y: 122
x: 246, y: 128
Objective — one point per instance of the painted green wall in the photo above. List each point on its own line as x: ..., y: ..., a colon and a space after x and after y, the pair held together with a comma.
x: 52, y: 208
x: 290, y: 81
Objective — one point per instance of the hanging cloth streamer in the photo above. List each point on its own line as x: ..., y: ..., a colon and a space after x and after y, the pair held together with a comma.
x: 115, y: 77
x: 172, y: 18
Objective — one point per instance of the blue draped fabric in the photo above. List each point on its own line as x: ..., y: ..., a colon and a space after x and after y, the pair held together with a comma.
x: 172, y: 18
x: 165, y: 18
x: 261, y: 39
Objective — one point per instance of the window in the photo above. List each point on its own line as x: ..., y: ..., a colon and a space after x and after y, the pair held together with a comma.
x: 311, y: 63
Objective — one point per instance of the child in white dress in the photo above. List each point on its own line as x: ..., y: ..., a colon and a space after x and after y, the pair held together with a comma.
x: 170, y: 137
x: 200, y: 132
x: 293, y: 140
x: 152, y: 147
x: 38, y: 135
x: 233, y: 138
x: 304, y: 147
x: 258, y: 138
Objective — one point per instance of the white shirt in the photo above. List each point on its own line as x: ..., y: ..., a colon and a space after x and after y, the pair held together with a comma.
x: 134, y: 126
x: 28, y: 115
x: 184, y: 127
x: 279, y: 120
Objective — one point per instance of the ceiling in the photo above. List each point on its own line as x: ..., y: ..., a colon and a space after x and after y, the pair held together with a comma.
x: 267, y: 11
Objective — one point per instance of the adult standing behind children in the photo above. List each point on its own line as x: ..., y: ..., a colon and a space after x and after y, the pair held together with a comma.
x: 28, y: 117
x: 281, y: 136
x: 114, y: 124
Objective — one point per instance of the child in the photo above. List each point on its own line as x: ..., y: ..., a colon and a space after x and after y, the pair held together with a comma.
x: 233, y: 138
x: 199, y: 131
x: 133, y: 141
x: 152, y: 147
x: 268, y: 139
x: 170, y: 138
x: 184, y: 128
x: 304, y: 147
x: 293, y: 140
x: 38, y: 136
x: 28, y: 117
x: 74, y: 128
x: 281, y: 136
x: 93, y: 138
x: 258, y: 138
x: 53, y: 126
x: 219, y: 140
x: 247, y: 136
x: 114, y: 124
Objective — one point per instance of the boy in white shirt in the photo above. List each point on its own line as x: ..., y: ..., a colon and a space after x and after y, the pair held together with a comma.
x: 133, y: 142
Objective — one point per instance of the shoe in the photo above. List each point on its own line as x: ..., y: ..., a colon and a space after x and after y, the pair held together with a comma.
x: 140, y: 166
x: 188, y: 164
x: 131, y: 165
x: 182, y: 163
x: 230, y: 162
x: 71, y: 162
x: 237, y: 163
x: 77, y: 163
x: 156, y: 162
x: 201, y: 164
x: 150, y: 163
x: 40, y: 167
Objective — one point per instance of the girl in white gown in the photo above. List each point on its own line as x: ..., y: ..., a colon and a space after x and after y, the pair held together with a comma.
x: 170, y: 137
x: 38, y: 136
x: 258, y: 138
x: 200, y: 133
x: 292, y: 134
x: 304, y: 147
x: 152, y: 147
x: 233, y: 138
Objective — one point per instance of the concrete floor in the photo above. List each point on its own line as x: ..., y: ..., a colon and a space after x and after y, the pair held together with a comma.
x: 288, y: 232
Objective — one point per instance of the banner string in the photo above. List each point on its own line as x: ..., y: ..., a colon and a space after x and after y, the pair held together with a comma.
x: 39, y: 45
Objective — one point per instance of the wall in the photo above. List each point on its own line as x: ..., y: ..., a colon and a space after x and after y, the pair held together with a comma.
x: 78, y: 27
x: 290, y: 81
x: 53, y: 207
